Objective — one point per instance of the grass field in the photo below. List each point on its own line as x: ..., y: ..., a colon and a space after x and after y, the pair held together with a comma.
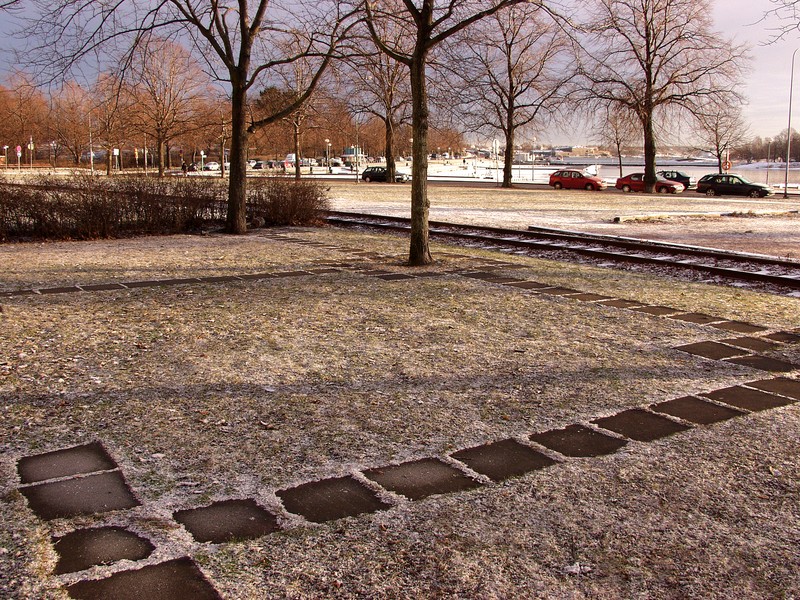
x: 211, y: 391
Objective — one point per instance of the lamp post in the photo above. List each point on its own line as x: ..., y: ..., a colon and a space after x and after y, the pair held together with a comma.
x: 789, y: 130
x: 769, y: 148
x: 5, y: 153
x: 328, y: 155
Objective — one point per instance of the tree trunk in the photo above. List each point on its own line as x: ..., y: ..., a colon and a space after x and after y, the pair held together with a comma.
x: 236, y: 221
x: 619, y: 158
x: 161, y: 146
x: 419, y: 252
x: 508, y: 159
x: 649, y: 152
x: 389, y: 151
x: 297, y: 151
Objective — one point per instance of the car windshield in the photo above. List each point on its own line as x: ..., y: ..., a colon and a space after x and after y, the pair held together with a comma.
x: 740, y: 178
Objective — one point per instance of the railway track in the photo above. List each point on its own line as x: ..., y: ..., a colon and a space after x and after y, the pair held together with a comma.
x: 779, y: 275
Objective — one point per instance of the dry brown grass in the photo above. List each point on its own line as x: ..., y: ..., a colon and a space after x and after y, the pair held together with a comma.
x: 213, y: 391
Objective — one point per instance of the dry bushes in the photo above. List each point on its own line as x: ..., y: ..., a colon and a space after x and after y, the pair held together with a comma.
x: 281, y: 201
x: 87, y: 207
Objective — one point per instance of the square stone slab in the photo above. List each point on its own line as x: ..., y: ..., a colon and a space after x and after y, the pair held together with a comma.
x: 698, y: 318
x: 218, y: 278
x: 751, y: 343
x: 696, y: 410
x: 579, y: 441
x: 779, y: 385
x: 80, y: 496
x: 16, y: 293
x: 256, y: 276
x: 291, y: 273
x: 712, y: 350
x: 60, y: 290
x: 227, y: 521
x: 560, y: 291
x: 87, y: 548
x: 504, y: 459
x: 483, y: 275
x: 587, y: 297
x: 764, y: 363
x: 640, y: 425
x: 421, y: 478
x: 324, y: 271
x: 742, y: 397
x: 620, y: 303
x: 102, y: 287
x: 142, y: 284
x: 529, y: 285
x: 658, y: 311
x: 178, y: 579
x: 784, y: 336
x: 85, y: 459
x: 739, y: 327
x: 330, y: 499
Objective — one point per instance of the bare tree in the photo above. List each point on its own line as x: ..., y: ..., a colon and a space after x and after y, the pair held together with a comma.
x: 167, y: 87
x: 510, y: 74
x: 653, y: 55
x: 377, y: 85
x: 618, y: 130
x: 107, y: 121
x: 69, y: 119
x: 720, y: 129
x: 245, y: 41
x: 426, y: 24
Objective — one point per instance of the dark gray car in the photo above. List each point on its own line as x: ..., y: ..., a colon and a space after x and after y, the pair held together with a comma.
x: 728, y: 184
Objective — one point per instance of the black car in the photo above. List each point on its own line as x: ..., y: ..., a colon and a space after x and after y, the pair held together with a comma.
x: 726, y: 184
x: 679, y: 176
x: 380, y: 174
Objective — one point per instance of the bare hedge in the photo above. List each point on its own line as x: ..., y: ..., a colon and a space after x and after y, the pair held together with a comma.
x: 86, y: 207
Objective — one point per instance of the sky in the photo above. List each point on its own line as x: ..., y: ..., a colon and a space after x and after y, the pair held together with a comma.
x: 766, y: 85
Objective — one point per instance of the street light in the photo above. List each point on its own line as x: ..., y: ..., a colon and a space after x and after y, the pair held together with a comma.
x: 789, y: 130
x: 328, y: 154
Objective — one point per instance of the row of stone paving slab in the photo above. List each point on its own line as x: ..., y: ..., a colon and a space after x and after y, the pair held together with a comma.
x: 85, y: 480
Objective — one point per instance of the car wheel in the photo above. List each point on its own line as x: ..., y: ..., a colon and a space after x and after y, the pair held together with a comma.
x: 367, y: 179
x: 626, y: 188
x: 754, y: 194
x: 711, y: 192
x: 557, y: 185
x: 589, y: 187
x: 662, y: 189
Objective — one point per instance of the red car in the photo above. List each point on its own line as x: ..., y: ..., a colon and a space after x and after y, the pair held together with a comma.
x: 575, y: 180
x: 635, y: 183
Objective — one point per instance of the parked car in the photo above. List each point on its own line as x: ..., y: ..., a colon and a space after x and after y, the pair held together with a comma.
x: 211, y: 166
x: 679, y: 176
x: 380, y: 174
x: 635, y: 183
x: 720, y: 184
x: 576, y: 180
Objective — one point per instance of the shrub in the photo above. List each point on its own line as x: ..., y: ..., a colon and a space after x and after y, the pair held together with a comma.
x: 280, y: 201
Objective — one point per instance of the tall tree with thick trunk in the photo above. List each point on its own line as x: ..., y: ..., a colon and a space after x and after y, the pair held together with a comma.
x: 243, y: 41
x: 510, y: 74
x: 167, y: 88
x: 427, y: 24
x: 650, y: 56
